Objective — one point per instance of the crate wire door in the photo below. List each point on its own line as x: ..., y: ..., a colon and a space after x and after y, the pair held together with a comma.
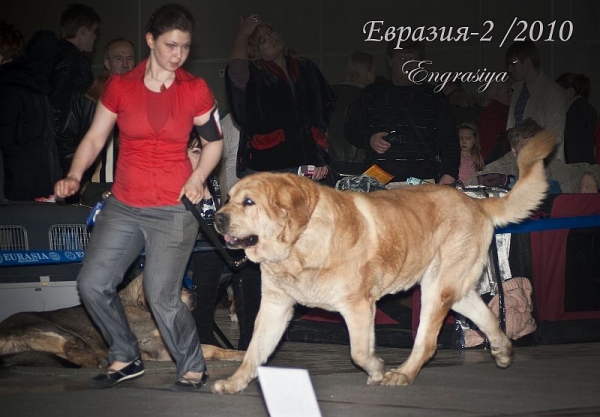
x: 13, y: 237
x: 68, y: 237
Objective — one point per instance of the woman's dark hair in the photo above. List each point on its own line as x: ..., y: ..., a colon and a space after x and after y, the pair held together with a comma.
x: 170, y: 17
x: 12, y: 43
x: 578, y: 82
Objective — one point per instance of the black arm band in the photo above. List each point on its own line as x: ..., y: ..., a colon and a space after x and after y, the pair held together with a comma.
x: 211, y: 130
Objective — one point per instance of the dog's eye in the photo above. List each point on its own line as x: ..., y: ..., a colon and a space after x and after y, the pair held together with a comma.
x: 248, y: 202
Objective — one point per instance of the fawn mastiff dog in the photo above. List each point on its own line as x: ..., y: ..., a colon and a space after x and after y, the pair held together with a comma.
x: 342, y: 251
x: 70, y: 334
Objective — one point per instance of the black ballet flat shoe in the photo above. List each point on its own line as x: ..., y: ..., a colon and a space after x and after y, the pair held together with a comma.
x: 190, y: 384
x: 111, y: 377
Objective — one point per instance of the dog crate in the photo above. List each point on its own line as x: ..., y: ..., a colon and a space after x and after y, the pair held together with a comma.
x: 41, y: 247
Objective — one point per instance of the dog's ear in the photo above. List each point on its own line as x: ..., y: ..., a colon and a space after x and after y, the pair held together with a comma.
x: 296, y: 198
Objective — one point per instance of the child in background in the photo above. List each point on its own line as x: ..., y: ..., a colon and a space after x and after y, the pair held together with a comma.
x: 471, y: 160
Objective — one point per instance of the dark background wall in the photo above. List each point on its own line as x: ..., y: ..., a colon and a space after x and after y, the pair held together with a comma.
x: 326, y: 31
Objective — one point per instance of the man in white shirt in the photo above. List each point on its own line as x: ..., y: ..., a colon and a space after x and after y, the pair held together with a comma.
x: 535, y: 95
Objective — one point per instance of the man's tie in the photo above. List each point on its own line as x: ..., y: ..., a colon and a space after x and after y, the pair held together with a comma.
x: 521, y: 103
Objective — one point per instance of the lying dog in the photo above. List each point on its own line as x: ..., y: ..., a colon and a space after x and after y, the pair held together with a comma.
x: 231, y: 303
x: 70, y: 334
x: 342, y: 251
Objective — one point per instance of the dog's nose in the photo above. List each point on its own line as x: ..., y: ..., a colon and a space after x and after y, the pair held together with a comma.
x: 221, y: 221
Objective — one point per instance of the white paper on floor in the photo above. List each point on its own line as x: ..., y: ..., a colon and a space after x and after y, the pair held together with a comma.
x: 288, y: 392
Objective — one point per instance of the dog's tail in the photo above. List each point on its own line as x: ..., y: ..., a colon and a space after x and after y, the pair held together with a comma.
x: 531, y: 187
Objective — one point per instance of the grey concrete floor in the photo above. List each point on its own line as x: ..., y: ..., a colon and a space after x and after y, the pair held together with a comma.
x: 548, y: 380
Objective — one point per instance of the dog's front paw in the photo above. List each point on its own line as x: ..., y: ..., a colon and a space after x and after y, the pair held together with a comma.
x: 375, y: 379
x: 228, y: 386
x: 502, y: 356
x: 394, y: 378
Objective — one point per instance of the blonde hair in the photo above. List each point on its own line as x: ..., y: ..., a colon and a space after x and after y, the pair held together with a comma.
x: 360, y: 68
x: 254, y: 43
x: 476, y: 149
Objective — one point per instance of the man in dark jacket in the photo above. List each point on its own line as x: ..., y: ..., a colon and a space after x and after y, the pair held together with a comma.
x: 407, y: 129
x: 119, y: 57
x: 71, y: 71
x: 28, y: 155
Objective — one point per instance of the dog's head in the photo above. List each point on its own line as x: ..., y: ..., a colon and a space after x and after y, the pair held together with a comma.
x: 266, y: 213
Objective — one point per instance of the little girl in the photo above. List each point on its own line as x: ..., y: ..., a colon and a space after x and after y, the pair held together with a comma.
x: 471, y: 160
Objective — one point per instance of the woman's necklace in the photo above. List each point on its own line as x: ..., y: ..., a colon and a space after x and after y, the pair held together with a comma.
x: 163, y: 87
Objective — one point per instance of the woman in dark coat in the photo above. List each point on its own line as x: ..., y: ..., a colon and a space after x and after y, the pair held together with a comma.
x: 280, y: 101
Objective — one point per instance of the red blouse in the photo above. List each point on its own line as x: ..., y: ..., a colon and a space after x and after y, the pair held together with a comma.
x: 154, y: 130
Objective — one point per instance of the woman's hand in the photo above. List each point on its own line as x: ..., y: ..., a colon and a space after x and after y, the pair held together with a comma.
x: 66, y: 187
x: 193, y: 189
x: 248, y: 24
x: 240, y: 45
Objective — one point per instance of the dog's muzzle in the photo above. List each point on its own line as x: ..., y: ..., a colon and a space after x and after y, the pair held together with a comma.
x: 233, y: 242
x: 222, y: 224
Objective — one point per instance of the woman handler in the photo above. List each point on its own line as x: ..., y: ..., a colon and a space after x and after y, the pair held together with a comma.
x: 155, y: 106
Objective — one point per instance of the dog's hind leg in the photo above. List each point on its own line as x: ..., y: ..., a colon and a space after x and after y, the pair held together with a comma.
x: 361, y: 327
x: 274, y: 314
x: 435, y: 304
x: 473, y: 307
x: 438, y: 293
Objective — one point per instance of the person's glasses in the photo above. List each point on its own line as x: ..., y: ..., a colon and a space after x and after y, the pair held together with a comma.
x: 515, y: 62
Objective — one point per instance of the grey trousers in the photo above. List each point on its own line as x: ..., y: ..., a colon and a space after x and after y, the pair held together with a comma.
x: 121, y: 232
